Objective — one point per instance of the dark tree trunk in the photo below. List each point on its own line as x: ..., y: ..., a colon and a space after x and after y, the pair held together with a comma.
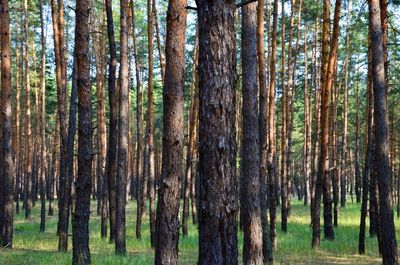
x: 263, y: 131
x: 120, y: 242
x: 388, y: 240
x: 218, y: 185
x: 250, y: 162
x: 80, y: 223
x: 113, y: 123
x: 271, y: 152
x: 173, y: 140
x: 7, y: 171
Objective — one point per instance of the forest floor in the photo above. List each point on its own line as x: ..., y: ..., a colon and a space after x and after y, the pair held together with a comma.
x: 33, y: 248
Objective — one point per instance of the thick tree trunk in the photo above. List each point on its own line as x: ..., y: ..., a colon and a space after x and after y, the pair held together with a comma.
x: 111, y: 167
x: 250, y: 162
x: 358, y: 181
x: 7, y: 171
x: 218, y: 185
x: 80, y: 223
x: 173, y: 140
x: 389, y: 245
x: 120, y: 242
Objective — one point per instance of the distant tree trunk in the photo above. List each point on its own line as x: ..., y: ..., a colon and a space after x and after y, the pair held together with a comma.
x: 120, y: 242
x: 43, y: 124
x: 343, y: 177
x: 250, y: 162
x: 173, y: 140
x: 358, y: 182
x: 263, y: 132
x: 18, y: 134
x: 28, y: 130
x: 323, y: 181
x: 285, y: 114
x: 61, y: 78
x: 139, y: 137
x: 80, y: 221
x: 218, y: 185
x: 52, y: 167
x: 148, y: 174
x: 389, y: 245
x: 334, y: 147
x: 160, y: 49
x: 113, y: 123
x: 271, y: 153
x: 191, y: 151
x: 7, y: 171
x: 307, y: 130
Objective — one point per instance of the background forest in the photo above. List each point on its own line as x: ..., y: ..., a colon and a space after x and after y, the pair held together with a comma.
x: 154, y: 140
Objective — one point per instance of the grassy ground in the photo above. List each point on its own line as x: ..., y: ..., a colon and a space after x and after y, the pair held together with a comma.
x: 32, y: 248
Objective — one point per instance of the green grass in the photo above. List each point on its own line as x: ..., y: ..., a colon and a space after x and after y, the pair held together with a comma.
x: 32, y: 248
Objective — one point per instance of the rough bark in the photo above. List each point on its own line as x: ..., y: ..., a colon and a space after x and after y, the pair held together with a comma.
x: 7, y: 172
x: 388, y: 236
x: 120, y: 231
x: 173, y: 140
x: 250, y: 162
x: 80, y: 221
x: 218, y: 185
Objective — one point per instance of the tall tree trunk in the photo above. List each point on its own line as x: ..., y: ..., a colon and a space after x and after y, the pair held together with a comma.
x: 28, y: 130
x: 271, y: 153
x: 285, y: 113
x: 120, y: 242
x: 323, y: 181
x: 250, y: 162
x: 389, y: 245
x: 148, y: 174
x: 80, y: 223
x: 263, y: 131
x: 7, y: 172
x: 139, y: 137
x: 358, y: 181
x: 173, y: 140
x: 343, y: 175
x: 218, y: 185
x: 111, y: 167
x: 43, y: 124
x: 61, y: 78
